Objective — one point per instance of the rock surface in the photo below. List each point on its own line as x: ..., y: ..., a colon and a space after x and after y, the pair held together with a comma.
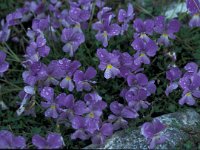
x: 181, y: 126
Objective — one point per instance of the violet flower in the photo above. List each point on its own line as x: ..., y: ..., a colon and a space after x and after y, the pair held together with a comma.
x: 172, y: 75
x: 190, y: 86
x: 14, y: 18
x: 143, y: 28
x: 100, y: 136
x: 140, y: 89
x: 105, y: 14
x: 78, y: 15
x: 10, y: 141
x: 37, y: 49
x: 92, y: 120
x: 84, y: 4
x: 78, y: 123
x: 68, y: 108
x: 105, y: 29
x: 191, y: 68
x: 194, y: 8
x: 40, y: 24
x: 55, y: 71
x: 70, y: 68
x: 108, y: 62
x: 127, y: 65
x: 125, y: 16
x: 91, y: 98
x: 72, y: 39
x: 120, y: 112
x: 52, y: 141
x: 145, y: 49
x: 4, y: 32
x: 37, y: 72
x: 83, y: 80
x: 25, y: 95
x: 151, y: 131
x: 136, y: 98
x: 166, y: 30
x: 100, y: 3
x: 4, y: 65
x: 52, y: 107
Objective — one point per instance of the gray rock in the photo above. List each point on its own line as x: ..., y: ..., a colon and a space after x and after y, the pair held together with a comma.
x: 181, y: 126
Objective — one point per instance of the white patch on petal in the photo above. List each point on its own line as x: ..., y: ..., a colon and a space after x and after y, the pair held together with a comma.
x: 115, y: 71
x: 108, y: 73
x: 29, y: 90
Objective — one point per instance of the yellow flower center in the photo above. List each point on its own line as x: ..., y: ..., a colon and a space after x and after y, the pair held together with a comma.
x: 188, y: 94
x: 109, y: 66
x: 165, y: 35
x: 141, y: 55
x: 53, y: 107
x: 68, y: 78
x: 91, y: 115
x: 77, y: 26
x: 105, y: 34
x: 143, y: 35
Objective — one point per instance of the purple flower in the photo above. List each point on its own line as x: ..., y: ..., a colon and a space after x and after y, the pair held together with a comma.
x: 4, y: 65
x: 108, y: 62
x: 124, y: 17
x: 105, y: 131
x: 139, y: 79
x: 143, y: 28
x: 48, y: 94
x: 166, y: 30
x: 100, y: 3
x: 68, y: 108
x: 195, y: 21
x: 72, y: 39
x: 37, y: 72
x: 105, y: 14
x: 136, y: 98
x: 95, y: 110
x: 190, y: 86
x: 37, y: 49
x: 92, y: 113
x: 106, y: 30
x: 78, y: 123
x: 172, y: 75
x: 52, y: 141
x: 144, y: 49
x: 4, y: 32
x: 191, y: 68
x: 193, y: 6
x: 25, y: 95
x: 83, y: 80
x: 70, y: 68
x: 40, y: 24
x: 14, y: 18
x: 120, y: 112
x: 151, y: 131
x: 84, y: 4
x: 9, y: 141
x: 56, y: 71
x: 78, y: 15
x: 127, y: 65
x: 91, y: 98
x: 140, y: 89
